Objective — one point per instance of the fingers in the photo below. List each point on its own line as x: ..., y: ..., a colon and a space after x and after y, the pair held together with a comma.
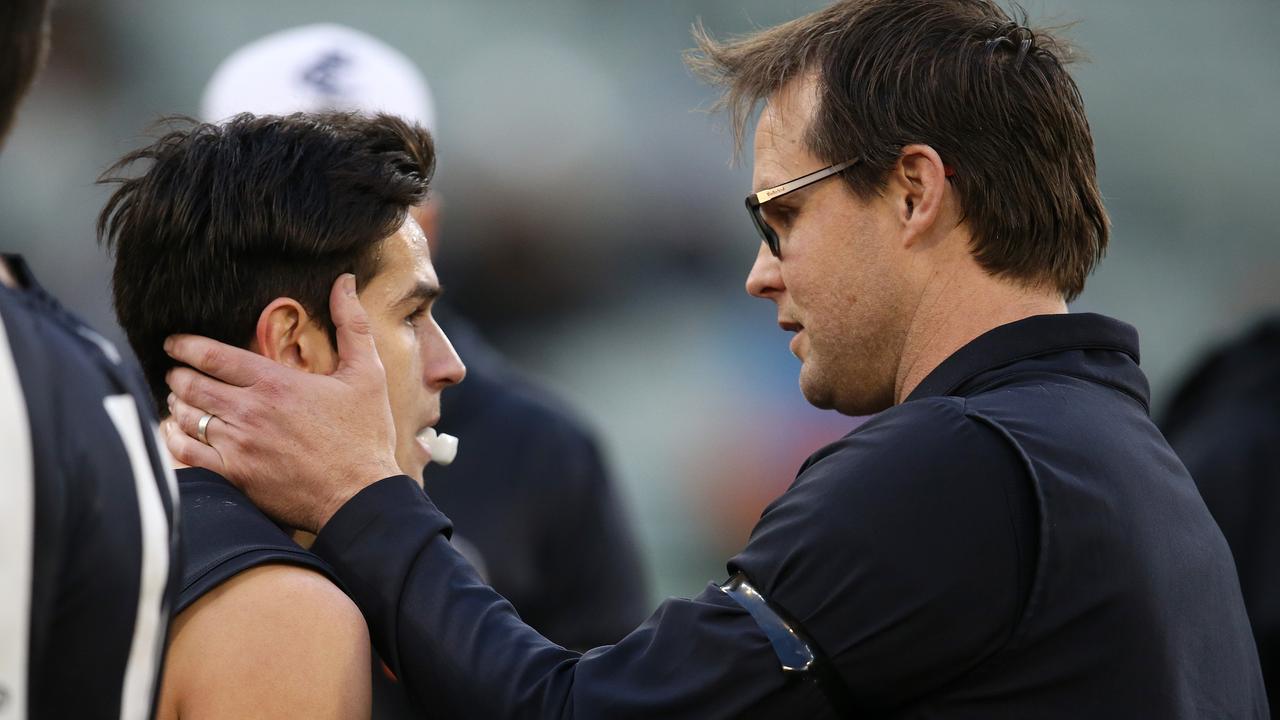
x: 188, y: 419
x: 232, y: 365
x: 355, y: 337
x: 200, y: 391
x: 188, y: 450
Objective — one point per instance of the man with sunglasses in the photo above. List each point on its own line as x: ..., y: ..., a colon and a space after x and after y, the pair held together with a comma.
x: 1009, y: 536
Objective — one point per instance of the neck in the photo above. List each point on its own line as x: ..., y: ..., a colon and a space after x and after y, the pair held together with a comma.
x: 6, y: 275
x: 948, y: 318
x: 304, y: 539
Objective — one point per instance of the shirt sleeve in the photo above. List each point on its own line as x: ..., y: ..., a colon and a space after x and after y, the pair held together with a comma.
x: 460, y: 647
x: 906, y: 550
x: 897, y: 548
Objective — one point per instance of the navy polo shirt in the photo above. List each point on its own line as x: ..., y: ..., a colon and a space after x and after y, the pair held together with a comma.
x: 1016, y: 539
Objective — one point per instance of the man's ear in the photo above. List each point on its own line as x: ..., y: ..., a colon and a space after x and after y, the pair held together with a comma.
x: 918, y: 187
x: 287, y: 334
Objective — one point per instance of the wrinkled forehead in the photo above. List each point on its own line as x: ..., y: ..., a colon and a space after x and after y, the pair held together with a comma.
x: 780, y: 150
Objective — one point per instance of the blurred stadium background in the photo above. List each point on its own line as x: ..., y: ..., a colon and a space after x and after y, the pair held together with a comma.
x: 594, y: 227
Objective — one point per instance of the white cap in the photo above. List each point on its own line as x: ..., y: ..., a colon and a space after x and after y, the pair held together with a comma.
x: 315, y: 68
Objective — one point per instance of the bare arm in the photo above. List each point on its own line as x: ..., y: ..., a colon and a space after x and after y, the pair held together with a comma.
x: 274, y: 641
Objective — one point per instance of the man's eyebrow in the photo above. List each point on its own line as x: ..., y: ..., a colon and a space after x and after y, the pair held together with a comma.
x: 787, y: 198
x: 770, y: 184
x: 422, y: 291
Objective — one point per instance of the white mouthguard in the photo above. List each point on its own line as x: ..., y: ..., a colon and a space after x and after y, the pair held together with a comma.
x: 444, y: 447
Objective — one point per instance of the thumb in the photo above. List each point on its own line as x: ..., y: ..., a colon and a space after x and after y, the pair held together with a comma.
x: 356, y: 348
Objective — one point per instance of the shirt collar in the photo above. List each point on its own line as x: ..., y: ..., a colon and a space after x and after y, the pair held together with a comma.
x: 1027, y: 338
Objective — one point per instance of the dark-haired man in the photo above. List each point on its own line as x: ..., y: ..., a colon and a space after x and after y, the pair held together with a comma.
x: 534, y: 506
x: 88, y: 541
x: 237, y: 230
x: 1009, y: 536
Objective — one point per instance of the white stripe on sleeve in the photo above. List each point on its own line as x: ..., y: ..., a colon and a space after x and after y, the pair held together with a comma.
x: 17, y: 527
x: 148, y: 630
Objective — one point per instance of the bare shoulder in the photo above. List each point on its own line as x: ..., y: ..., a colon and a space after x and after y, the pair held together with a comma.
x: 274, y: 641
x: 279, y: 599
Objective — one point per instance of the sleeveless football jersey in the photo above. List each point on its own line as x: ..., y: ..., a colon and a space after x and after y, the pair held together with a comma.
x: 224, y: 534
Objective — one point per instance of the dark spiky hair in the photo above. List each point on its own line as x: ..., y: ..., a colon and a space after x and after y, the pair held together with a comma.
x: 228, y: 217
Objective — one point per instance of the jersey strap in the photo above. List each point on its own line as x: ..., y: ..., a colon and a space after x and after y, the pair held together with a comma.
x: 224, y: 534
x: 799, y: 655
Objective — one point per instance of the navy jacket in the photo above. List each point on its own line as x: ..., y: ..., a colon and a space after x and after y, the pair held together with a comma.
x: 1016, y: 539
x: 532, y: 503
x: 1224, y: 422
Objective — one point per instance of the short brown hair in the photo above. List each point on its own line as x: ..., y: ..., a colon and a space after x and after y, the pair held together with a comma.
x: 989, y: 94
x: 24, y: 32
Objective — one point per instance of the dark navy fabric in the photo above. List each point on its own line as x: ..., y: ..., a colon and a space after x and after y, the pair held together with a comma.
x: 223, y: 534
x: 88, y: 544
x: 1224, y: 422
x: 532, y: 502
x: 1015, y: 540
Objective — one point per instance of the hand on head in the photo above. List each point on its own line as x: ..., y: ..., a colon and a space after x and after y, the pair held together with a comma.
x: 298, y: 444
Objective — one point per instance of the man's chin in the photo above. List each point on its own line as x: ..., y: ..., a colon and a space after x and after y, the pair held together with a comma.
x: 413, y: 459
x: 414, y: 470
x: 824, y: 394
x: 818, y: 393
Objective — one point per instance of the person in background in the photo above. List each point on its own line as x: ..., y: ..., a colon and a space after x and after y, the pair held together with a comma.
x: 534, y: 507
x: 1224, y: 422
x: 88, y: 506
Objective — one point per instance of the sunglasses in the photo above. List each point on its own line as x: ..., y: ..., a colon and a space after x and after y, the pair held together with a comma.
x: 756, y: 200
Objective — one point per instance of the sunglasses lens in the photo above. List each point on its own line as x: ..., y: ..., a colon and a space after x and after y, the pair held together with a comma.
x: 767, y: 234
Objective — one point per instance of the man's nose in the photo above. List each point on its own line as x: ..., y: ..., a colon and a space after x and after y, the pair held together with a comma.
x: 765, y: 278
x: 443, y: 366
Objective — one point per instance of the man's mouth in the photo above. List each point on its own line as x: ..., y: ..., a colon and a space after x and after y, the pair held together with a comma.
x: 427, y: 428
x: 442, y: 448
x: 792, y: 327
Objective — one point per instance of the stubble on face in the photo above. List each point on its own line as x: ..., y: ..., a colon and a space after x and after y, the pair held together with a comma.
x: 841, y: 273
x: 851, y: 345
